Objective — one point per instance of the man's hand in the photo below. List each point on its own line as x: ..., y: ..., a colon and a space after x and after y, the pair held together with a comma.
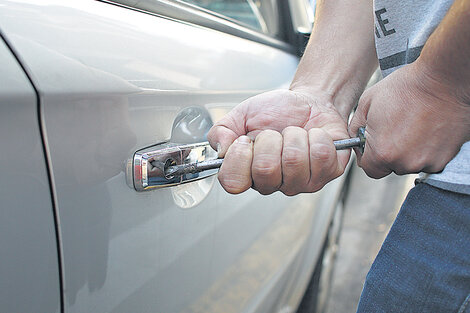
x: 293, y: 149
x: 415, y: 122
x: 418, y: 117
x: 293, y: 130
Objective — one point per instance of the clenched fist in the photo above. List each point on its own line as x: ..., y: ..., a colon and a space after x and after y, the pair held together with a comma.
x: 415, y: 122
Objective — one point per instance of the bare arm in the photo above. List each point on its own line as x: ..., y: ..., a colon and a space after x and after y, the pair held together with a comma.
x: 340, y: 56
x: 446, y: 55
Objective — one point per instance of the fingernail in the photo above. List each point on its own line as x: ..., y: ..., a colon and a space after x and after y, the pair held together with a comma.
x: 244, y: 140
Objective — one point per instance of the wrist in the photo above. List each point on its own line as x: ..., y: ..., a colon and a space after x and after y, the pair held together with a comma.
x: 450, y: 88
x: 451, y: 84
x: 343, y: 99
x: 440, y: 100
x: 444, y: 57
x: 342, y: 83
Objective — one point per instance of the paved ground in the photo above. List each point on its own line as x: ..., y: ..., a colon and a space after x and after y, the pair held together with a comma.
x: 370, y: 211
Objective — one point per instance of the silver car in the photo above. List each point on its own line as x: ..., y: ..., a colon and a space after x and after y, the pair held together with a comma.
x: 97, y: 99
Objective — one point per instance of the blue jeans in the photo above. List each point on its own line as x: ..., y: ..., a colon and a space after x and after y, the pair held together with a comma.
x: 424, y: 263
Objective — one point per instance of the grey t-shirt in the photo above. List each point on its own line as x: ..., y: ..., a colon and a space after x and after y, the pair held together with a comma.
x: 401, y: 30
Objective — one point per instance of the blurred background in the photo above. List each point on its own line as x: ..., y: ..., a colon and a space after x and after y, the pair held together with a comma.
x: 370, y: 210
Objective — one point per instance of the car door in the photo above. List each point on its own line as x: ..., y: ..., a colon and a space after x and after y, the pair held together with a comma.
x: 29, y: 267
x: 114, y: 80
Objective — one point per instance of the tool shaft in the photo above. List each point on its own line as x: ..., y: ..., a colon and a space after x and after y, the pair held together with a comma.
x: 192, y: 168
x: 347, y: 143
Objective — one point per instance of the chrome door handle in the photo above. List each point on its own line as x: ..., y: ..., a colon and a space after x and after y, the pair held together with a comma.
x: 149, y: 165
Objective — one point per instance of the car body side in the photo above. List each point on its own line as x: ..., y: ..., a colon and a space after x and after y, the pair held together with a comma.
x: 110, y: 81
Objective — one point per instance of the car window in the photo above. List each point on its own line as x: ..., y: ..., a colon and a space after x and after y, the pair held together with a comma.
x: 240, y: 10
x: 236, y: 17
x: 261, y: 15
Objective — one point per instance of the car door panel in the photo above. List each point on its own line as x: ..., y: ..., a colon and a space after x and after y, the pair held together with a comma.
x: 29, y: 268
x: 111, y: 82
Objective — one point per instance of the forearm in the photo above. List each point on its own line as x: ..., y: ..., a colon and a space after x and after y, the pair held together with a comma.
x: 340, y: 56
x: 445, y: 57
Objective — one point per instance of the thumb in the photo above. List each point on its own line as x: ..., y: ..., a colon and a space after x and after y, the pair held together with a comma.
x: 220, y: 138
x: 225, y: 131
x: 359, y: 119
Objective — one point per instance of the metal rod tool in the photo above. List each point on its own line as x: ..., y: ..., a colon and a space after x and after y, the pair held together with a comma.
x: 192, y: 168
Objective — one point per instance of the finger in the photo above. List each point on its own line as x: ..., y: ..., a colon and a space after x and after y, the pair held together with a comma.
x: 227, y: 130
x: 220, y: 139
x: 359, y: 119
x: 295, y: 161
x: 339, y: 132
x: 374, y: 161
x: 266, y: 168
x: 324, y: 165
x: 235, y: 172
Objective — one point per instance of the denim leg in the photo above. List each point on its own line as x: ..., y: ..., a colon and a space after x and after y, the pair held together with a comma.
x: 424, y: 263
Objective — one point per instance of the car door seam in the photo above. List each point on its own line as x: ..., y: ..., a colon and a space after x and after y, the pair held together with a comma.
x: 50, y: 176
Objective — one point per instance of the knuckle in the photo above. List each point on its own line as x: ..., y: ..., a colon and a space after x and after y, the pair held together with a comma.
x: 214, y: 131
x: 240, y: 151
x: 270, y: 133
x: 265, y: 168
x: 292, y: 157
x: 291, y: 129
x: 321, y: 152
x: 356, y: 122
